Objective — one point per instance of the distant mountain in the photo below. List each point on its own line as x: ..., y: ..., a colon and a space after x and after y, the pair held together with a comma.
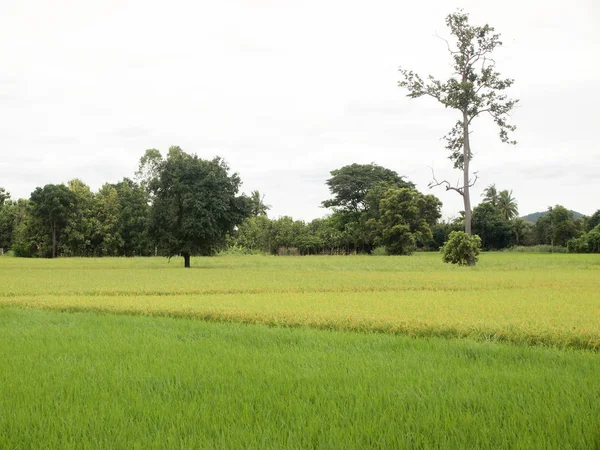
x: 533, y: 217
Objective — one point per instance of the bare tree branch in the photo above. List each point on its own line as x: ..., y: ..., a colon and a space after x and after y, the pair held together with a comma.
x: 453, y: 52
x: 445, y: 183
x: 472, y: 183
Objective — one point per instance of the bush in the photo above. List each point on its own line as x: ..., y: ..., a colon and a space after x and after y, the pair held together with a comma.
x: 461, y: 249
x: 379, y: 251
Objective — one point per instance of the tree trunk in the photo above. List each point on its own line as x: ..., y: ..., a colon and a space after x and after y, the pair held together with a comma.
x: 466, y: 157
x: 186, y: 260
x: 54, y: 240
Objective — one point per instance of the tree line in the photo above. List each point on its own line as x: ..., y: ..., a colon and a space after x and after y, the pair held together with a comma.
x: 183, y: 205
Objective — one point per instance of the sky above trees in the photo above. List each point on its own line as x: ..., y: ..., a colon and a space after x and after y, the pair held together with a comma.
x: 288, y: 91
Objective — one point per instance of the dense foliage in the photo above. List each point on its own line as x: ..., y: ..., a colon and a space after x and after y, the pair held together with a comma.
x: 461, y: 249
x: 183, y: 204
x: 194, y: 204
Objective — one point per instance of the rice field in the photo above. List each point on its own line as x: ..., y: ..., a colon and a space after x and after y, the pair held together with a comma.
x: 301, y: 352
x: 520, y: 298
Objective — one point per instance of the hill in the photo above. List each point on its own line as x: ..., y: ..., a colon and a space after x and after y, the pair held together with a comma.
x: 533, y: 217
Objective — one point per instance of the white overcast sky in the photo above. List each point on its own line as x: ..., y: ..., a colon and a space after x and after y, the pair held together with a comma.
x: 287, y: 90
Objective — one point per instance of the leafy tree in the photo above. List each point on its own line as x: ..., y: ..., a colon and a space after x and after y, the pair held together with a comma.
x: 350, y: 185
x: 107, y: 208
x: 7, y: 223
x: 254, y: 234
x: 194, y: 203
x: 285, y: 232
x: 593, y: 238
x: 51, y: 206
x: 406, y: 219
x: 6, y: 220
x: 328, y: 231
x: 507, y: 205
x: 24, y: 242
x: 4, y: 196
x: 474, y: 88
x: 461, y: 249
x: 357, y: 191
x: 440, y: 234
x: 134, y: 219
x: 586, y: 243
x: 149, y: 168
x: 493, y: 229
x: 593, y: 221
x: 557, y: 227
x: 81, y: 222
x: 309, y: 244
x: 521, y: 230
x: 490, y: 195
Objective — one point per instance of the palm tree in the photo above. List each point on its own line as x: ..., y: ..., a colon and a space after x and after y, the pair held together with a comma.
x: 490, y: 195
x: 258, y: 206
x: 520, y: 227
x: 507, y: 205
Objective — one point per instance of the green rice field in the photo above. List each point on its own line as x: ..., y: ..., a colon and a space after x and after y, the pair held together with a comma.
x: 300, y: 352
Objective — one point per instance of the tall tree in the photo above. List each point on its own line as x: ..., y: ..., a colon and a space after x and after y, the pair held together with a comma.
x: 507, y: 205
x: 81, y: 222
x: 51, y: 206
x: 194, y: 203
x: 474, y: 88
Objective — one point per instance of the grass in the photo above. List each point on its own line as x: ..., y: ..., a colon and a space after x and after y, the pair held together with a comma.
x: 520, y: 298
x: 89, y: 380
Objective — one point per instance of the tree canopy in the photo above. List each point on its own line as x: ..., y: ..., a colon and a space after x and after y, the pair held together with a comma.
x: 194, y: 202
x: 4, y: 196
x: 350, y: 185
x: 51, y: 206
x: 406, y: 218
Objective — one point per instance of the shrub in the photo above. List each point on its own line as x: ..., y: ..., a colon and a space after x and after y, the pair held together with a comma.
x: 379, y: 251
x: 461, y: 249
